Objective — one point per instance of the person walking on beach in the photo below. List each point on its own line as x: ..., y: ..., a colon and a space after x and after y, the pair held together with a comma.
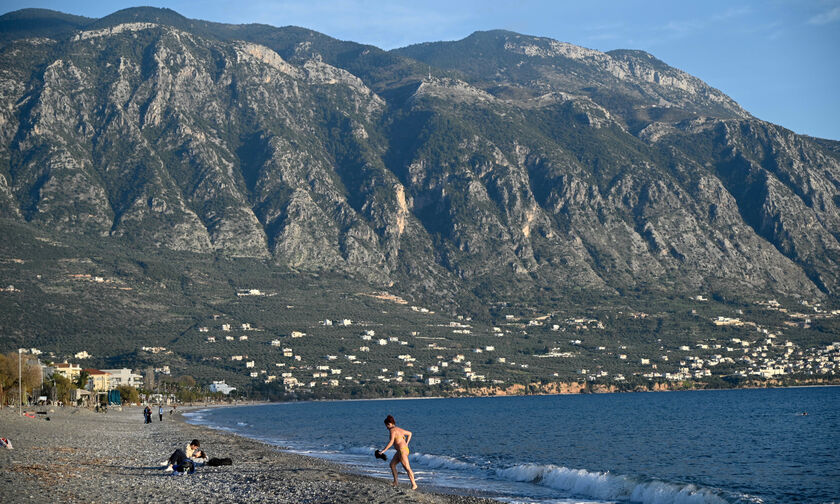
x: 160, y: 412
x: 147, y: 413
x: 400, y: 439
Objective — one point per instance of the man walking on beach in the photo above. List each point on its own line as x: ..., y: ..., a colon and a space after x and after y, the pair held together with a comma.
x: 147, y: 413
x: 400, y: 439
x: 160, y: 412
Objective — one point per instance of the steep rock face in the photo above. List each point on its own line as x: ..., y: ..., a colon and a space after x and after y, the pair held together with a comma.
x: 150, y: 133
x: 543, y: 202
x: 504, y: 173
x: 785, y: 187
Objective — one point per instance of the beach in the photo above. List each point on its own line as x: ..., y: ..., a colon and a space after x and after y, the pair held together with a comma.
x: 83, y: 456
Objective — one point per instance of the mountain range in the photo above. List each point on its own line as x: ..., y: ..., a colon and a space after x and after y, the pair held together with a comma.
x: 500, y: 166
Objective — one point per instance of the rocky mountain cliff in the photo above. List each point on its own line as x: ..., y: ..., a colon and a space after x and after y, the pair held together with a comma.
x: 497, y: 165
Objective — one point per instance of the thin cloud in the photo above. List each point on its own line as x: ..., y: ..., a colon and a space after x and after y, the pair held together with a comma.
x: 602, y: 36
x: 732, y: 13
x: 826, y: 17
x: 605, y: 31
x: 682, y: 28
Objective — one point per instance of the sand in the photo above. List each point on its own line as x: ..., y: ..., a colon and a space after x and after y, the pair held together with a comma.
x: 83, y: 456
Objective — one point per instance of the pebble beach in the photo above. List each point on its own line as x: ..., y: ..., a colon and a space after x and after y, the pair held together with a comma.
x: 82, y: 456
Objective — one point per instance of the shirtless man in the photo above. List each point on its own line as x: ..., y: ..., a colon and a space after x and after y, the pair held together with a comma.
x: 400, y: 439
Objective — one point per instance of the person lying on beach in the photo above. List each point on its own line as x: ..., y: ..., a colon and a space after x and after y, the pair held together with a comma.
x: 400, y: 439
x: 185, y: 460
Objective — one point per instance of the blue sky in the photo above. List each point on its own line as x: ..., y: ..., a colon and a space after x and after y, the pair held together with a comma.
x: 777, y: 58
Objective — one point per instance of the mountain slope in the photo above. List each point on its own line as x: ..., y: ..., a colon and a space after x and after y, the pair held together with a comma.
x: 524, y: 168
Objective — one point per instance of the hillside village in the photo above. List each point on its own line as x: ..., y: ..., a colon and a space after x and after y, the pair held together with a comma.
x: 439, y: 353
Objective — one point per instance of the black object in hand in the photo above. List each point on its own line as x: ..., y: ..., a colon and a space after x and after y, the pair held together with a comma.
x: 378, y: 454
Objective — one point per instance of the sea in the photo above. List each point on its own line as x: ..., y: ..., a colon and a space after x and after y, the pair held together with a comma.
x: 698, y: 447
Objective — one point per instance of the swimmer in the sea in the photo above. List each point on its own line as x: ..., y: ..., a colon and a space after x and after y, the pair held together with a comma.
x: 400, y: 439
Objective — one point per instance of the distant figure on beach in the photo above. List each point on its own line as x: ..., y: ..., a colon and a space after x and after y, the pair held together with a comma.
x: 183, y: 460
x: 400, y: 439
x: 160, y: 412
x: 147, y: 413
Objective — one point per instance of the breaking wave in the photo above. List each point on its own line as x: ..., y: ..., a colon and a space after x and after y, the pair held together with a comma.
x: 441, y: 462
x: 578, y: 482
x: 607, y: 486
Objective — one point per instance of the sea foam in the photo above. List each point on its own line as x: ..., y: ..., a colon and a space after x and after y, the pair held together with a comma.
x: 607, y: 486
x: 441, y: 462
x: 421, y: 459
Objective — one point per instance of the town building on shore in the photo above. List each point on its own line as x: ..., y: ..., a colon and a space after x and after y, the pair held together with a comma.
x: 124, y: 376
x: 98, y: 381
x: 69, y: 371
x: 221, y: 386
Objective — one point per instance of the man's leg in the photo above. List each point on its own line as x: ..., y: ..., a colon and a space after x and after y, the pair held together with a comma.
x: 176, y: 459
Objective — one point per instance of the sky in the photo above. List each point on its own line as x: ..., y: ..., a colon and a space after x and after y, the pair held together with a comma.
x: 779, y: 59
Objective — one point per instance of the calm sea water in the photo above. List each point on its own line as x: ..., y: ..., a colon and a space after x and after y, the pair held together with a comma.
x: 738, y: 446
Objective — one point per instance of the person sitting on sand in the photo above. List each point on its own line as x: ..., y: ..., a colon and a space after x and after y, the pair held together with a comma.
x: 400, y: 439
x: 184, y: 460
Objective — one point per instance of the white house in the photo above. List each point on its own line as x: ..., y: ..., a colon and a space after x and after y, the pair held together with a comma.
x: 124, y: 376
x: 221, y: 386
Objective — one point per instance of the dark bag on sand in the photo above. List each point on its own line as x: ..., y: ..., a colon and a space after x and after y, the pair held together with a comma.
x: 213, y: 462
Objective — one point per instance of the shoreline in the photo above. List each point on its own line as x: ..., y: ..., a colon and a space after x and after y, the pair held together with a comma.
x: 834, y: 383
x: 194, y: 407
x: 82, y: 456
